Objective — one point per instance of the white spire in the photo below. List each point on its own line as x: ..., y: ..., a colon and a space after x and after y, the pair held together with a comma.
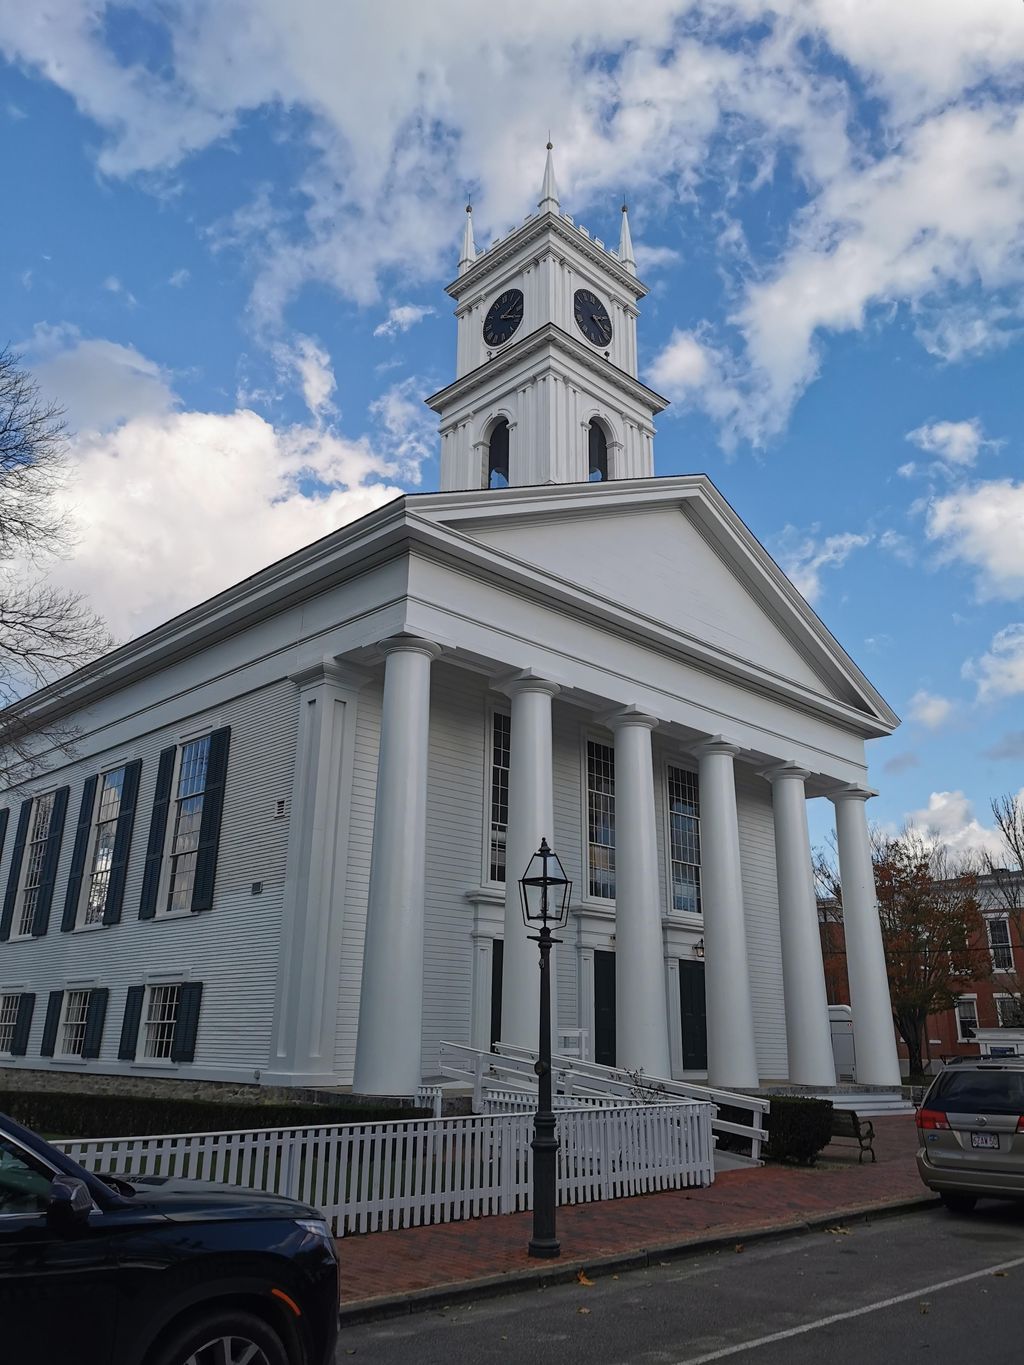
x: 626, y: 243
x: 468, y: 244
x: 549, y: 190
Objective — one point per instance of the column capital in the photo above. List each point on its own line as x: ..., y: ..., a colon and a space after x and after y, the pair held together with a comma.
x: 716, y: 744
x: 624, y: 716
x: 524, y: 680
x: 778, y: 771
x: 851, y: 792
x: 411, y: 644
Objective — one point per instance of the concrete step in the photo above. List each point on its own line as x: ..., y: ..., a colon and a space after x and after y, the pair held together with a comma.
x: 870, y: 1103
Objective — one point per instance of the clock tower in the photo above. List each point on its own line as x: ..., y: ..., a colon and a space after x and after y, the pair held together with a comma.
x: 546, y: 387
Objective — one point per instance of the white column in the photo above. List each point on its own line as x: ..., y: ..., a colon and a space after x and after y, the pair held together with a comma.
x: 391, y: 999
x: 873, y: 1036
x: 732, y: 1057
x: 808, y: 1033
x: 306, y: 1008
x: 641, y: 1012
x: 530, y: 819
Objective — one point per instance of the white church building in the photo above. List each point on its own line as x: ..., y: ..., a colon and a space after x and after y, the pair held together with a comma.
x: 287, y: 845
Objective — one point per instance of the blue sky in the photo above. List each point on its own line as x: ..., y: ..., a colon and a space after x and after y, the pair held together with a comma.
x: 235, y: 221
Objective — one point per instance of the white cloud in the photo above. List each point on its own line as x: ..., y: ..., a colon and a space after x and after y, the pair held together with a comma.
x: 179, y: 278
x: 949, y: 819
x: 1000, y: 672
x: 100, y: 383
x: 402, y: 316
x: 980, y: 525
x: 409, y: 430
x: 309, y: 362
x: 955, y: 443
x: 803, y: 556
x: 683, y: 365
x: 929, y: 710
x: 652, y: 258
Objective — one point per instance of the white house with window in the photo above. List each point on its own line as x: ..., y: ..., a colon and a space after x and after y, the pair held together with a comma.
x: 286, y: 849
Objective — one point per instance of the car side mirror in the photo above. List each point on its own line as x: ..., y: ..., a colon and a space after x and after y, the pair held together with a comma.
x: 70, y: 1200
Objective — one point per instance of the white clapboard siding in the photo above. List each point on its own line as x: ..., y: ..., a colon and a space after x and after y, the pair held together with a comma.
x: 233, y: 949
x: 374, y: 1177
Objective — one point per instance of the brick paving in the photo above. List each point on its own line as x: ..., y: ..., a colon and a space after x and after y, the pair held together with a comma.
x: 384, y: 1265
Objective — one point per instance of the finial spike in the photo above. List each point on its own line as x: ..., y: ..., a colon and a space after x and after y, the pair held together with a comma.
x: 468, y: 254
x: 548, y: 201
x: 626, y: 241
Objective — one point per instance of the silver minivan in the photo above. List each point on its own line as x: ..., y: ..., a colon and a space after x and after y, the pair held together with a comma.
x: 971, y: 1127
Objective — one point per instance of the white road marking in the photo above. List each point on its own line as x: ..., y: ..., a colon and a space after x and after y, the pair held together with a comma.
x: 727, y: 1351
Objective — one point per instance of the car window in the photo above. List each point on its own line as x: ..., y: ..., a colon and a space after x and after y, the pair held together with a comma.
x: 979, y: 1092
x: 24, y: 1183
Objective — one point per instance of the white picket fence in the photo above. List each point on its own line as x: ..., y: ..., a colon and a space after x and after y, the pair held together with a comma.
x: 372, y: 1177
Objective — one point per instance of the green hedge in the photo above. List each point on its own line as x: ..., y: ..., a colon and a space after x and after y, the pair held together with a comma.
x: 798, y: 1128
x: 83, y: 1115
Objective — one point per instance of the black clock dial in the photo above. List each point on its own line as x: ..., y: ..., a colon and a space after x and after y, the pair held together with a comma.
x: 592, y: 317
x: 503, y: 317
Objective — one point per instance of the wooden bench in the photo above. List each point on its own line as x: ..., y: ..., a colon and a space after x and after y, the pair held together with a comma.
x: 847, y: 1124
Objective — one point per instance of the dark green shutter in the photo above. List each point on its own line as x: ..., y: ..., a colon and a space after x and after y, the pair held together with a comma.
x: 74, y: 891
x: 122, y: 842
x: 14, y: 875
x: 51, y: 857
x: 209, y: 825
x: 183, y: 1044
x: 157, y: 834
x: 94, y: 1019
x: 49, y: 1042
x: 130, y: 1023
x: 23, y: 1024
x: 5, y: 815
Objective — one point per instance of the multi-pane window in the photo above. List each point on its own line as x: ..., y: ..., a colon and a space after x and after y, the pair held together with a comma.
x: 73, y: 1021
x: 8, y: 1020
x: 684, y: 840
x: 966, y: 1018
x: 161, y: 1016
x: 999, y: 943
x: 108, y: 807
x: 501, y: 735
x: 1009, y: 1011
x: 601, y: 819
x: 188, y: 815
x: 35, y: 858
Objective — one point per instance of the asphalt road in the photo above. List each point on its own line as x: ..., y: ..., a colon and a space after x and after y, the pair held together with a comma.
x: 932, y: 1286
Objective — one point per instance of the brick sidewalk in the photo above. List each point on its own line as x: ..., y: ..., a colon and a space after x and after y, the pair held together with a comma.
x: 382, y: 1265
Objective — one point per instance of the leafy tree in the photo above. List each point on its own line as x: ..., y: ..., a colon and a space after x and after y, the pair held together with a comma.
x: 932, y: 928
x: 44, y: 630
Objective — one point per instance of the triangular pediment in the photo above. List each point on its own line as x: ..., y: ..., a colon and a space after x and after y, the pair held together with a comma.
x: 685, y: 563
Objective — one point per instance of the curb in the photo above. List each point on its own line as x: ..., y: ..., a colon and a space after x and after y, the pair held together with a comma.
x: 564, y: 1272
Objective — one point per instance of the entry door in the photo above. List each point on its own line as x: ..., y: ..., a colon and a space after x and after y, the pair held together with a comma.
x: 497, y: 961
x: 604, y: 1008
x: 693, y: 1011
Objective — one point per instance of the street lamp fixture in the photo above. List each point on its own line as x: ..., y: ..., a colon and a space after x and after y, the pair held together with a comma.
x: 545, y: 892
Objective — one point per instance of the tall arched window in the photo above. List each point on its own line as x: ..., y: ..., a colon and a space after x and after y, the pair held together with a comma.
x: 598, y: 453
x: 497, y: 455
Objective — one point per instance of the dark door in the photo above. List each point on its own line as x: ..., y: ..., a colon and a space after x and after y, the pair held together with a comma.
x: 57, y: 1286
x: 497, y: 961
x: 604, y: 1008
x: 694, y: 1014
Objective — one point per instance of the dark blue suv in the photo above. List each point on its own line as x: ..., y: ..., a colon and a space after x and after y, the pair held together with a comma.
x: 151, y: 1271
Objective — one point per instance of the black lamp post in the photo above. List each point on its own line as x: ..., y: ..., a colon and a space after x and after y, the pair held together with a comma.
x: 545, y: 891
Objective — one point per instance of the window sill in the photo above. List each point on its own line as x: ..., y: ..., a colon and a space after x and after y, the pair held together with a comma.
x: 155, y: 1064
x: 70, y: 1061
x: 172, y: 914
x: 492, y: 894
x: 89, y: 928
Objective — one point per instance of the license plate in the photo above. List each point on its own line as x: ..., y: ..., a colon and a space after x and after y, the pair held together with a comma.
x: 990, y: 1140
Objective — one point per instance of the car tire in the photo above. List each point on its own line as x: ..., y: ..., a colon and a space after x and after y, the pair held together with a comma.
x: 959, y: 1203
x: 199, y: 1341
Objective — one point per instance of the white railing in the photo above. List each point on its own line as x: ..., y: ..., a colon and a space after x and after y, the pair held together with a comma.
x: 512, y: 1069
x: 375, y: 1176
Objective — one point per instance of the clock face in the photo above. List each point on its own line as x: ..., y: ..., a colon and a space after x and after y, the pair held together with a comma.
x: 503, y: 317
x: 592, y: 317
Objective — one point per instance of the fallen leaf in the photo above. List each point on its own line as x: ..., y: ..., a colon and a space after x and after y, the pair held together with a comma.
x: 582, y: 1310
x: 923, y: 1307
x: 999, y: 1274
x: 739, y: 1247
x: 839, y: 1232
x: 582, y: 1278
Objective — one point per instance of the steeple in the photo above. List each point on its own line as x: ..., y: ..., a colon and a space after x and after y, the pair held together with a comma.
x: 626, y: 242
x: 468, y: 244
x: 549, y: 190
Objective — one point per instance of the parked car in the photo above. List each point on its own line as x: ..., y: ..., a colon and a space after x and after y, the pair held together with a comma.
x: 156, y: 1271
x: 971, y: 1126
